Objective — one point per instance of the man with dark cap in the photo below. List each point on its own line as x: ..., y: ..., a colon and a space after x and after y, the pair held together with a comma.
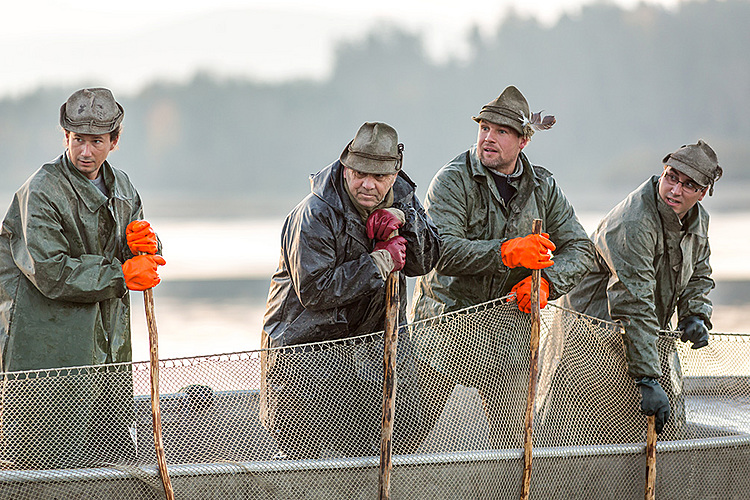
x: 70, y: 248
x: 483, y: 202
x: 653, y: 259
x: 337, y: 249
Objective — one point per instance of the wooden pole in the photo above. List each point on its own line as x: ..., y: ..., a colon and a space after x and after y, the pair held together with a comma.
x: 651, y: 459
x: 153, y: 339
x: 536, y: 279
x: 389, y: 383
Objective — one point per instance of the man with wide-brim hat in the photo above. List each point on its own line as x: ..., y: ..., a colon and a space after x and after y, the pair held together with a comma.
x: 361, y: 221
x: 69, y: 253
x: 483, y: 202
x: 654, y: 260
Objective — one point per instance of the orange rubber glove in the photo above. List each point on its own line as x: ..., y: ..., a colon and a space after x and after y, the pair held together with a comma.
x: 531, y: 251
x: 523, y: 294
x: 141, y: 238
x: 140, y: 271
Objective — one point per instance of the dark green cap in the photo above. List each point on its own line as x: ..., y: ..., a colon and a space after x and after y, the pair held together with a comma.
x: 697, y: 161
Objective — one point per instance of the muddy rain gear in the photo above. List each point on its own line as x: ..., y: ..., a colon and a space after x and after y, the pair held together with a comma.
x: 64, y: 303
x: 328, y: 287
x: 649, y: 265
x: 474, y: 221
x: 63, y: 299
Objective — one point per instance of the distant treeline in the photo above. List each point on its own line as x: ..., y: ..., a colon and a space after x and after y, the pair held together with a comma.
x: 626, y: 86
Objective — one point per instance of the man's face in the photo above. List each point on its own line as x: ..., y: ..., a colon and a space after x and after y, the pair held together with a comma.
x: 87, y: 152
x: 368, y: 189
x: 679, y: 191
x: 498, y: 146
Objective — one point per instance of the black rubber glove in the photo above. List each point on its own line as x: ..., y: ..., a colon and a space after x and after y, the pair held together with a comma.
x: 694, y: 329
x: 654, y: 401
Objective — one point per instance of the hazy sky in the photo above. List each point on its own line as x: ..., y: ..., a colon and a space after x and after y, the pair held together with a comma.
x: 125, y: 45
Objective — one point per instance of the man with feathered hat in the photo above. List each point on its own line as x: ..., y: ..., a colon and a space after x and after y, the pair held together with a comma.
x: 484, y: 202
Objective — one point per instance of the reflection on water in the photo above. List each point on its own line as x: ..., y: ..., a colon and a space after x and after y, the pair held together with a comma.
x: 212, y: 305
x: 249, y: 248
x: 201, y: 317
x: 240, y: 248
x: 729, y: 243
x: 221, y: 316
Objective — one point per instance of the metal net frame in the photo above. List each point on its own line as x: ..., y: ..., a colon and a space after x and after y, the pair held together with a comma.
x: 304, y: 421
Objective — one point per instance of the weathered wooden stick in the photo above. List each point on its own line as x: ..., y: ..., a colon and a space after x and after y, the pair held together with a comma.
x: 536, y: 279
x: 153, y: 339
x: 651, y: 459
x: 389, y: 383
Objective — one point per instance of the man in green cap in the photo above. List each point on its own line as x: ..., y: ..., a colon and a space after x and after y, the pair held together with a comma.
x: 70, y: 250
x: 653, y: 259
x: 338, y: 246
x: 484, y: 202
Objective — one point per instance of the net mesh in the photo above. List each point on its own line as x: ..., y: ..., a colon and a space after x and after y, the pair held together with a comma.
x: 305, y: 422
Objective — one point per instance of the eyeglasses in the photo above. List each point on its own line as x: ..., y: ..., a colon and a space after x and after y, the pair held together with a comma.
x: 689, y: 185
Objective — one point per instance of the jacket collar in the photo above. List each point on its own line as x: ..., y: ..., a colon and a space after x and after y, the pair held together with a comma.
x: 525, y: 183
x: 479, y: 170
x: 86, y: 190
x: 327, y: 185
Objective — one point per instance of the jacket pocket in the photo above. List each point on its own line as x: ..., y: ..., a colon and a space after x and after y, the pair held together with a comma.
x: 313, y: 326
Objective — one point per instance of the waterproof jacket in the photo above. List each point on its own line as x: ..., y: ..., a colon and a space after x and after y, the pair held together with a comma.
x: 63, y: 299
x: 474, y: 221
x: 649, y: 264
x: 327, y: 285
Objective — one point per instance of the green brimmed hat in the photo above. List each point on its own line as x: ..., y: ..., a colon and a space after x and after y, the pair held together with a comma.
x: 374, y: 150
x: 91, y: 111
x: 697, y: 161
x: 512, y: 110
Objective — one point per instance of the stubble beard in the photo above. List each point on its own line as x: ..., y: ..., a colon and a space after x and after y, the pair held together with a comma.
x: 498, y: 164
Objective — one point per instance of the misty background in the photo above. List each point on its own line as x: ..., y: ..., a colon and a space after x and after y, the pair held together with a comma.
x: 627, y: 86
x: 219, y: 160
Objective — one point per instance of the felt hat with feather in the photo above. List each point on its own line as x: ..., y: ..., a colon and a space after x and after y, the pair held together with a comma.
x: 512, y: 110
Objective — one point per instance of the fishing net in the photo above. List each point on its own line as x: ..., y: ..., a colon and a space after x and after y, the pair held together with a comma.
x: 304, y: 422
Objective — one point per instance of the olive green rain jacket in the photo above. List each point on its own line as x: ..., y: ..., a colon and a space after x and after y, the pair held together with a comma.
x: 63, y: 299
x: 649, y: 264
x: 473, y: 220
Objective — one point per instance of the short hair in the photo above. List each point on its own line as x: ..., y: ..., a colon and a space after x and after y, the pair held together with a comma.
x: 115, y: 134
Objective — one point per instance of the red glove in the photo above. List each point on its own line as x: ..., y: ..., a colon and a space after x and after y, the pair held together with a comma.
x: 140, y: 271
x: 141, y: 238
x: 381, y: 223
x: 396, y: 246
x: 523, y: 294
x: 531, y: 251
